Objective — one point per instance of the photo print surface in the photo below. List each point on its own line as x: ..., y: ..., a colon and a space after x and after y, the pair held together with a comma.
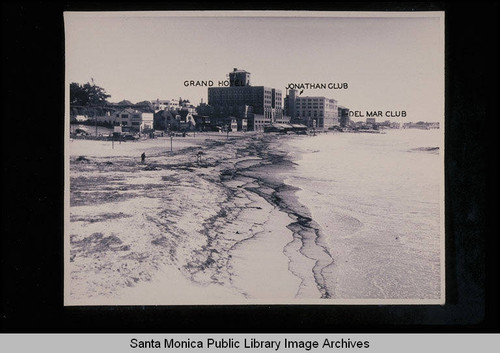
x: 254, y: 158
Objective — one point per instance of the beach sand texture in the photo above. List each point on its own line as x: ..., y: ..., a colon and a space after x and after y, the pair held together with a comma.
x: 241, y: 225
x: 174, y: 230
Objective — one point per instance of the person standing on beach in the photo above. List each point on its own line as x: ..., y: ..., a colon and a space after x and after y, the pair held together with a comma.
x: 143, y: 157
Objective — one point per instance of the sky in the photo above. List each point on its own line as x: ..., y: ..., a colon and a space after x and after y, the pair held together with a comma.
x: 389, y: 63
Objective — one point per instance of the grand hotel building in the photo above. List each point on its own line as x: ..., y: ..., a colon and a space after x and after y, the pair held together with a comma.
x: 258, y: 104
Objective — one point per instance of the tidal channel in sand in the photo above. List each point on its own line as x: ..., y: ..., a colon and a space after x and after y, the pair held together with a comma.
x: 175, y: 231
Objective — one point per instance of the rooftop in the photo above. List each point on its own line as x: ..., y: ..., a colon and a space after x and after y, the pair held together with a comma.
x: 239, y: 70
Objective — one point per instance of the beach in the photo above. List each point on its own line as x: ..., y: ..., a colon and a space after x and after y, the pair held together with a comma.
x: 227, y: 220
x: 172, y: 227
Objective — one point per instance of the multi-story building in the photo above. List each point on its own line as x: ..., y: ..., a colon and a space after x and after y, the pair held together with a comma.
x: 188, y: 107
x: 260, y: 105
x: 318, y: 112
x: 165, y: 104
x: 289, y: 104
x: 186, y: 119
x: 343, y: 116
x: 133, y: 120
x: 130, y: 119
x: 239, y: 78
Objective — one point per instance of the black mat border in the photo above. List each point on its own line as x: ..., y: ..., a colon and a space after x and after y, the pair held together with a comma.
x: 32, y: 201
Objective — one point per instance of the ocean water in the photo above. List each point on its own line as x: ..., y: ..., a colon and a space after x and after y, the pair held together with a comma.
x: 376, y: 199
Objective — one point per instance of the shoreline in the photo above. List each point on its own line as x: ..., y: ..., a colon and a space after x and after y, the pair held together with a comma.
x: 225, y: 254
x: 238, y: 227
x: 378, y: 228
x: 307, y: 252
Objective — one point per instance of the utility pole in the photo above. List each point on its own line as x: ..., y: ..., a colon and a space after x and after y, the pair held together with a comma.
x: 93, y: 104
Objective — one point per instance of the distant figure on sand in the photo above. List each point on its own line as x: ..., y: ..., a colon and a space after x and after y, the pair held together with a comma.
x: 198, y: 156
x: 143, y: 157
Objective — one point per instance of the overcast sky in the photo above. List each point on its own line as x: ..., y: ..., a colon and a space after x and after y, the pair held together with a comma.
x: 389, y: 63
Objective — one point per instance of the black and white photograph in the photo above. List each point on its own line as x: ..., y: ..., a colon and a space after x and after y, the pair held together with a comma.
x: 254, y: 157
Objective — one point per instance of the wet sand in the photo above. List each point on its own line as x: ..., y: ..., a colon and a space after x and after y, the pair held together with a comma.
x: 176, y: 230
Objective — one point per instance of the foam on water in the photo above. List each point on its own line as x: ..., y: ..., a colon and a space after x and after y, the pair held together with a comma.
x: 376, y: 200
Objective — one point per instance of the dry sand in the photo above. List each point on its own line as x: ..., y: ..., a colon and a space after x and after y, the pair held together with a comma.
x: 177, y: 231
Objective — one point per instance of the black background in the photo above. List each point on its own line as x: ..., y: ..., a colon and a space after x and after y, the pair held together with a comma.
x: 32, y: 189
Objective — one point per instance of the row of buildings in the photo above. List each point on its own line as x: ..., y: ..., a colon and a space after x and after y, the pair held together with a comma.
x: 239, y: 106
x: 260, y: 106
x: 421, y: 125
x: 372, y: 124
x: 129, y: 119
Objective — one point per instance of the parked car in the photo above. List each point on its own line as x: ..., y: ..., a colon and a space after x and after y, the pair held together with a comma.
x: 130, y: 137
x: 81, y: 132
